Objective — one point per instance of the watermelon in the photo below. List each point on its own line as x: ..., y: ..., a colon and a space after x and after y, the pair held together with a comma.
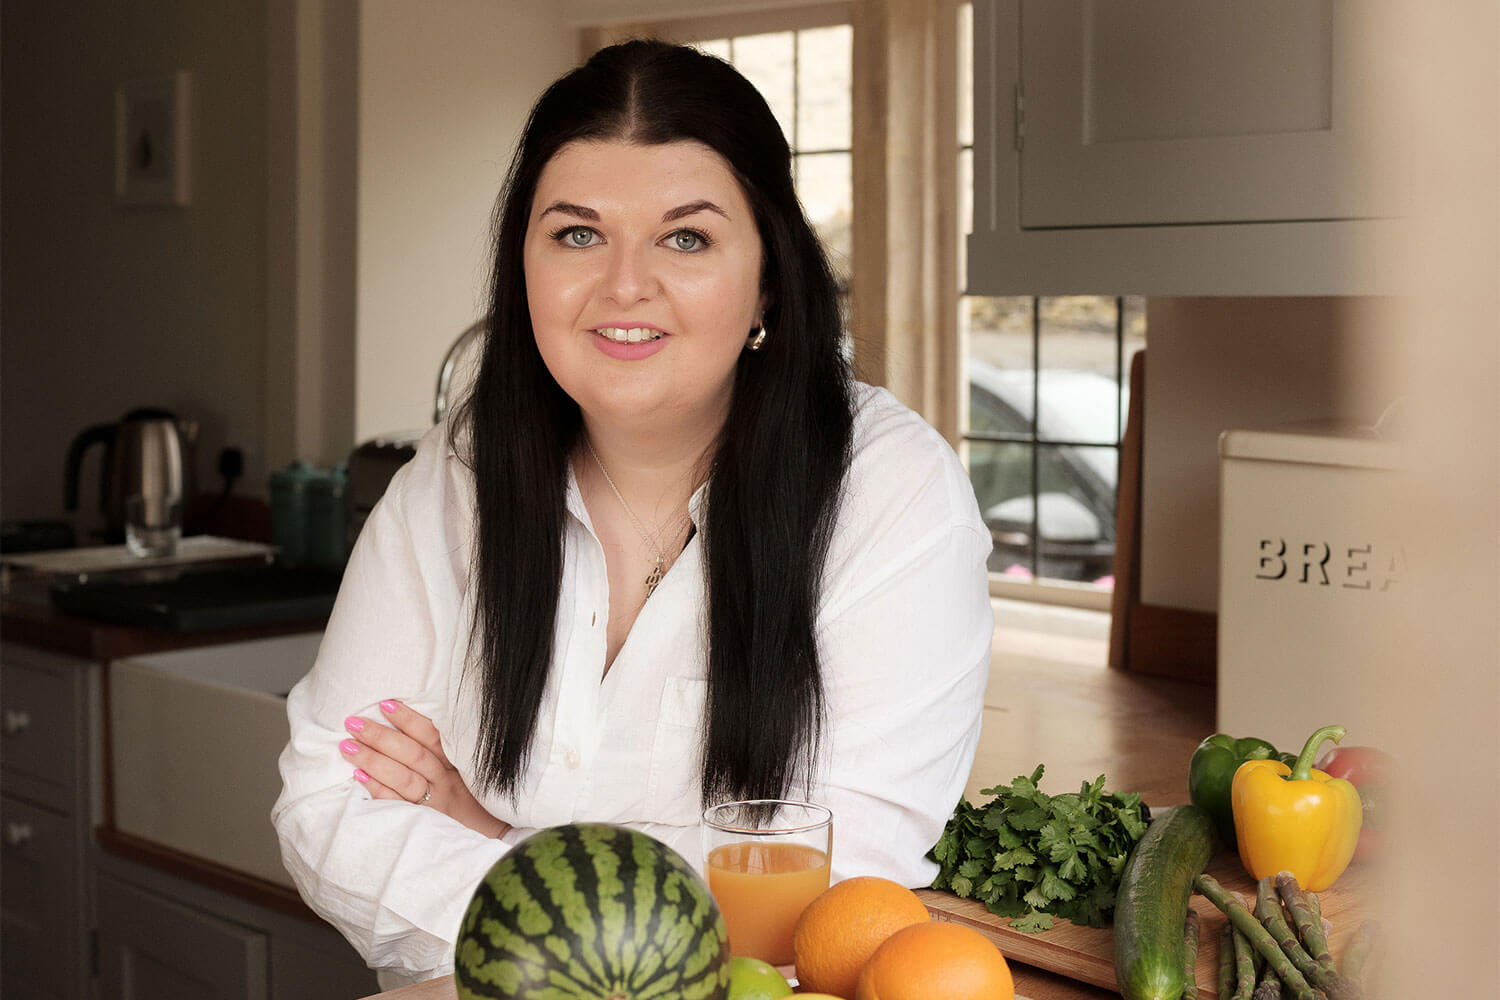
x: 590, y: 911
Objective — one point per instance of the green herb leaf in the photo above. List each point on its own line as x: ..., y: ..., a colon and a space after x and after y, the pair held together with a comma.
x: 1033, y: 923
x: 1034, y: 857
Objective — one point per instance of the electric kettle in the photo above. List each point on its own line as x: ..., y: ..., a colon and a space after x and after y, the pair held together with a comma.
x: 148, y: 453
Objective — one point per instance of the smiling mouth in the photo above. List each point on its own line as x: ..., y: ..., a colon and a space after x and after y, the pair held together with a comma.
x: 629, y: 335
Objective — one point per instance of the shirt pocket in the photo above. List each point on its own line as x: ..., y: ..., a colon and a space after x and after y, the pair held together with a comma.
x: 676, y: 779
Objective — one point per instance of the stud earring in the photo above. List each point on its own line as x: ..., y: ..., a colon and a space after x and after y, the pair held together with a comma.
x: 756, y: 339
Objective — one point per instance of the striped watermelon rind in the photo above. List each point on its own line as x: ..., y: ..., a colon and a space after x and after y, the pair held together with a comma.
x: 590, y: 911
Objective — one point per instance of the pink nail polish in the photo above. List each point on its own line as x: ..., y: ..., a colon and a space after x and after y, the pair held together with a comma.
x: 354, y: 723
x: 360, y: 775
x: 349, y: 746
x: 389, y: 705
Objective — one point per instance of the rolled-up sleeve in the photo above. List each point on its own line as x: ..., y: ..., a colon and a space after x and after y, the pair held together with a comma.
x: 393, y: 877
x: 906, y: 633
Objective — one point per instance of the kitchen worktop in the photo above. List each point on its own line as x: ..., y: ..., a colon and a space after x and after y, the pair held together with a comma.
x: 28, y: 617
x: 1051, y: 701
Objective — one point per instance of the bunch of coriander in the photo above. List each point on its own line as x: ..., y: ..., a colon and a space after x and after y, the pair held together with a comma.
x: 1033, y: 856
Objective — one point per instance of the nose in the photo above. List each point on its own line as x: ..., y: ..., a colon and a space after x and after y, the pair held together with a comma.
x: 630, y: 277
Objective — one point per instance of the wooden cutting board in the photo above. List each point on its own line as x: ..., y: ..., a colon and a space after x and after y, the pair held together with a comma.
x: 1087, y: 953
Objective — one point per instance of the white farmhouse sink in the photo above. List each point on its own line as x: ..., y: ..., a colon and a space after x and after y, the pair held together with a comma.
x: 195, y: 735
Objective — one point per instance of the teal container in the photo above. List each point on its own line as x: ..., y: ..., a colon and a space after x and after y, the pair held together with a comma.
x: 326, y: 546
x: 307, y: 515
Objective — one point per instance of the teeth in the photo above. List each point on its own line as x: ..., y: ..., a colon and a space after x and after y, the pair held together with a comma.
x: 628, y: 335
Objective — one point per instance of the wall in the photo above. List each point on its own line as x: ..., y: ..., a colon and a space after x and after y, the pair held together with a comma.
x: 442, y: 101
x: 345, y: 162
x: 1216, y: 364
x: 105, y: 308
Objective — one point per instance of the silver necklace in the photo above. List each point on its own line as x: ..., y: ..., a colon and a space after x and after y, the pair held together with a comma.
x: 659, y: 554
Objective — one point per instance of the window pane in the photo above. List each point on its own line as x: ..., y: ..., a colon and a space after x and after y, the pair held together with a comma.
x: 998, y: 331
x: 823, y: 184
x: 823, y: 59
x: 715, y: 47
x: 1001, y: 476
x: 1076, y: 513
x: 1080, y: 396
x: 766, y: 61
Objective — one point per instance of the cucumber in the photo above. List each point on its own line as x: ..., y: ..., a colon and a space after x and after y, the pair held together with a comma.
x: 1151, y: 907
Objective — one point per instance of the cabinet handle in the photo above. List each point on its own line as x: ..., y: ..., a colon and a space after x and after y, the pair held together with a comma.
x: 15, y: 721
x: 17, y: 834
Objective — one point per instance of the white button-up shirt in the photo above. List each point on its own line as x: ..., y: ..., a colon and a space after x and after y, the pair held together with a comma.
x: 904, y: 630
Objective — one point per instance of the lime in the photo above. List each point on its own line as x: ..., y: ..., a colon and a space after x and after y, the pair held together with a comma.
x: 752, y: 979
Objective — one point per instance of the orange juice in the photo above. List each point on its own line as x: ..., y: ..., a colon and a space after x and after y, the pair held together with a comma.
x: 762, y: 888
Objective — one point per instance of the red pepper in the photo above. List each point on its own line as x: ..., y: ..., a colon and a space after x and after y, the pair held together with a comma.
x: 1371, y: 771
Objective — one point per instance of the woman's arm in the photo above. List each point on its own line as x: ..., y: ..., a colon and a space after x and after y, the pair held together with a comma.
x: 391, y: 876
x: 406, y: 762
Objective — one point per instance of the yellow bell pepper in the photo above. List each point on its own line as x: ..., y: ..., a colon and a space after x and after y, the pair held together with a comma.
x: 1296, y: 819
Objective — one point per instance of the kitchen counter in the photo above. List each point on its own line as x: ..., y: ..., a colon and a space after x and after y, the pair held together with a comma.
x: 1049, y: 701
x: 27, y: 617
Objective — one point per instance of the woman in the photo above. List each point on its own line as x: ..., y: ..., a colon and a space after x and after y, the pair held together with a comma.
x: 668, y: 554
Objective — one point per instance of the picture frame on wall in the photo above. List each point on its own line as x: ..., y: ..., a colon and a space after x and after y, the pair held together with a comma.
x: 152, y: 142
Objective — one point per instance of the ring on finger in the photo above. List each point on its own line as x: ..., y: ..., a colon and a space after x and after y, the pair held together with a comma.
x: 426, y: 798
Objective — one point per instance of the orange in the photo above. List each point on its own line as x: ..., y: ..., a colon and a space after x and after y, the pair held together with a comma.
x: 936, y: 960
x: 842, y: 927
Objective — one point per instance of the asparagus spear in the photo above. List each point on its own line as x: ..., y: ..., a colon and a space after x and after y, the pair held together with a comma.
x: 1269, y: 988
x: 1268, y: 911
x: 1226, y: 962
x: 1325, y: 976
x: 1244, y: 921
x: 1309, y: 923
x: 1190, y: 956
x: 1244, y: 965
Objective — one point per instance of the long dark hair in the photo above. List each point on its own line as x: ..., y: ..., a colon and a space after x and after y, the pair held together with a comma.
x: 775, y: 476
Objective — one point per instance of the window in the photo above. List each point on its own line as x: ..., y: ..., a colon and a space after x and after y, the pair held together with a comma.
x: 1047, y: 396
x: 804, y: 75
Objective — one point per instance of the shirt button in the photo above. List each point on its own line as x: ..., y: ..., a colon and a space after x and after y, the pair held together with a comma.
x: 572, y: 760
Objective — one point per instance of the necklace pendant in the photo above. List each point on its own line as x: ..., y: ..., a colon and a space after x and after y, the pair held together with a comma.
x: 653, y: 578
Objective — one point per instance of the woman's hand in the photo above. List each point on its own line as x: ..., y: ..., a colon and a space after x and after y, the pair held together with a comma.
x: 408, y: 763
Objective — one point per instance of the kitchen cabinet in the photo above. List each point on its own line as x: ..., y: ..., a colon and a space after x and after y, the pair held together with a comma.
x: 152, y: 947
x: 48, y: 802
x: 1175, y: 147
x: 90, y: 912
x: 171, y: 938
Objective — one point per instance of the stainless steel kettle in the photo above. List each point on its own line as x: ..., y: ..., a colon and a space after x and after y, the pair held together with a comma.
x: 149, y: 452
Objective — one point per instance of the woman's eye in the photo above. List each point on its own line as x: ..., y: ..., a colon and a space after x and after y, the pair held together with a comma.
x: 577, y: 236
x: 686, y: 239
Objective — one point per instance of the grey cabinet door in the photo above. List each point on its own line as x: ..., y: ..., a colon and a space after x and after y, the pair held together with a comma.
x: 153, y: 949
x: 36, y: 916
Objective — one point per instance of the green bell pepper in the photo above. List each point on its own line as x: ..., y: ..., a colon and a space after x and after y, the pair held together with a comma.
x: 1211, y: 774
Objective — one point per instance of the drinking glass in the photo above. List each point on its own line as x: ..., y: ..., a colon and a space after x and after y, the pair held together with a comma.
x: 153, y: 524
x: 766, y: 859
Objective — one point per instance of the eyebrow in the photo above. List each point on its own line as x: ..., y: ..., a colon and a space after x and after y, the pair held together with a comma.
x: 671, y: 215
x: 568, y: 208
x: 692, y: 208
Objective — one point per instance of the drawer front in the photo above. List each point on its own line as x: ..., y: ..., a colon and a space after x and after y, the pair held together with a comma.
x: 38, y: 722
x: 42, y: 954
x: 150, y: 946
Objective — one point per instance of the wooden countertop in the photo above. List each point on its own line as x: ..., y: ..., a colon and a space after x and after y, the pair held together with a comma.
x: 1051, y: 701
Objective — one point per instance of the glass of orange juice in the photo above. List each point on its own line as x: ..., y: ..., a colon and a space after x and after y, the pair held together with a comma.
x: 767, y: 859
